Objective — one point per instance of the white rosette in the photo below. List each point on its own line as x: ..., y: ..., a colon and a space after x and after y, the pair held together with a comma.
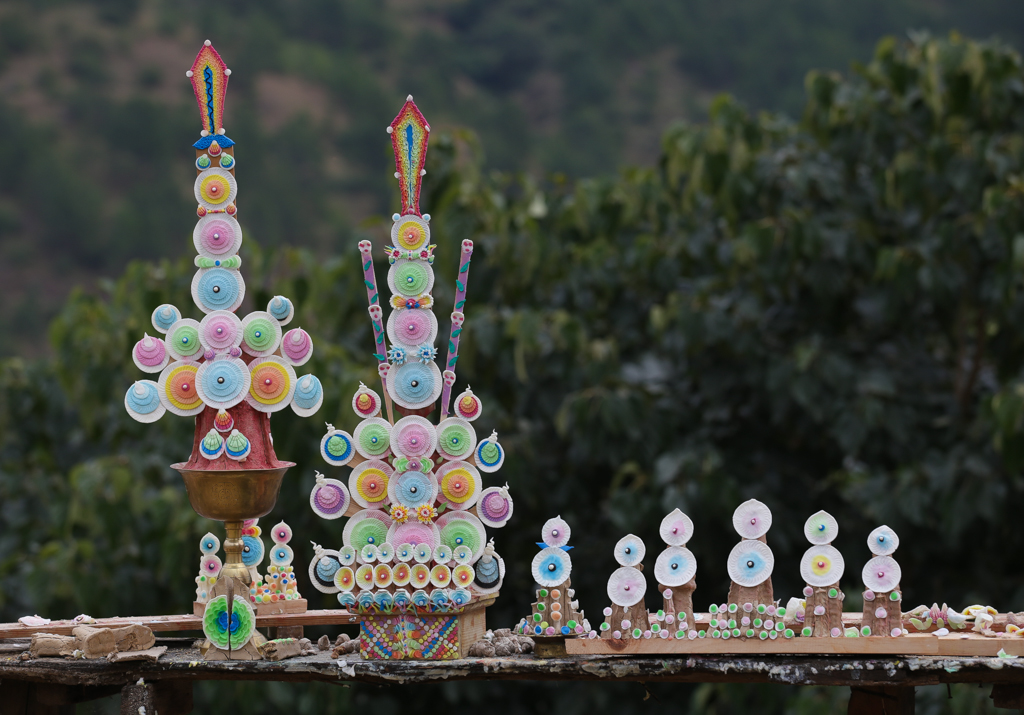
x: 676, y: 528
x: 882, y: 574
x: 281, y: 370
x: 751, y: 563
x: 822, y: 565
x: 883, y: 541
x: 675, y: 566
x: 217, y: 247
x: 626, y: 586
x: 630, y: 550
x: 821, y: 528
x: 752, y: 519
x: 223, y: 383
x: 209, y: 283
x: 412, y: 327
x: 273, y: 339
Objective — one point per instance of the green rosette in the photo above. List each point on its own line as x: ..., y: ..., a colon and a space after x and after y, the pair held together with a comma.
x: 455, y: 440
x: 460, y: 533
x: 368, y: 529
x: 225, y: 634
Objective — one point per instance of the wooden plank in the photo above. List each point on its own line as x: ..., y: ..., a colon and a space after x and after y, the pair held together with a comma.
x: 970, y: 644
x: 298, y: 605
x: 185, y: 622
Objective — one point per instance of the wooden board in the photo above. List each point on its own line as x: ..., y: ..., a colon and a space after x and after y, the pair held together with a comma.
x: 970, y: 644
x: 297, y: 605
x: 186, y: 622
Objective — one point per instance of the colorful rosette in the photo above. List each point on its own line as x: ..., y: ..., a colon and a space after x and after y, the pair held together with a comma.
x: 404, y: 552
x: 410, y: 278
x: 751, y: 563
x: 368, y: 554
x: 821, y: 528
x: 415, y: 385
x: 252, y: 551
x: 459, y: 597
x: 463, y: 575
x: 209, y: 544
x: 385, y: 552
x: 164, y: 317
x: 222, y: 382
x: 366, y: 402
x: 220, y: 331
x: 630, y: 550
x: 297, y: 346
x: 347, y: 555
x: 177, y: 389
x: 261, y: 334
x: 424, y: 552
x: 442, y: 554
x: 364, y: 601
x: 212, y: 445
x: 237, y: 446
x: 322, y: 569
x: 439, y: 598
x: 272, y: 384
x: 368, y: 484
x: 215, y: 188
x: 369, y: 526
x: 211, y: 565
x: 420, y: 599
x: 336, y: 447
x: 183, y: 340
x: 556, y: 532
x: 752, y: 519
x: 218, y: 289
x: 281, y: 555
x: 413, y: 535
x: 281, y: 309
x: 281, y: 533
x: 455, y: 438
x: 345, y: 579
x: 143, y: 403
x: 676, y: 528
x: 468, y: 406
x: 460, y: 484
x: 883, y: 541
x: 495, y: 507
x: 489, y: 454
x: 675, y: 566
x: 822, y: 565
x: 412, y: 489
x: 413, y: 437
x: 462, y: 554
x: 490, y: 570
x: 459, y: 528
x: 382, y: 576
x: 223, y: 422
x: 308, y: 397
x: 364, y: 577
x: 440, y: 576
x: 410, y: 233
x: 412, y: 327
x: 402, y: 599
x: 401, y: 573
x: 229, y: 632
x: 626, y: 586
x: 372, y: 438
x: 419, y: 576
x: 217, y: 236
x: 150, y: 354
x: 551, y: 567
x: 881, y: 574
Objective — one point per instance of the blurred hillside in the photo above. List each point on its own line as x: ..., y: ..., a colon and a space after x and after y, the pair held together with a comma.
x: 96, y: 115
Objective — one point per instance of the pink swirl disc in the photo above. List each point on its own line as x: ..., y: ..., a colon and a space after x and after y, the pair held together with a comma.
x: 212, y: 565
x: 415, y: 533
x: 150, y: 351
x: 414, y: 441
x: 217, y: 236
x: 414, y: 326
x: 495, y: 507
x: 296, y: 345
x: 330, y: 499
x: 220, y: 332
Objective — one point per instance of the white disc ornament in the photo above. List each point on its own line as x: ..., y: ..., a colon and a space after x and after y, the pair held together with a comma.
x: 751, y: 563
x: 752, y: 519
x: 551, y: 567
x: 630, y: 550
x: 882, y: 574
x: 626, y: 586
x: 822, y: 565
x: 883, y: 541
x: 675, y: 566
x: 555, y: 532
x: 676, y: 528
x: 821, y: 528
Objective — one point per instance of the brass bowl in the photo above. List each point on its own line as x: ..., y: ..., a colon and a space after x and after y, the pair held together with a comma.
x: 233, y: 495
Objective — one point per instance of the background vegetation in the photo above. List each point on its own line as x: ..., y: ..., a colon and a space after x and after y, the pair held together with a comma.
x: 820, y: 313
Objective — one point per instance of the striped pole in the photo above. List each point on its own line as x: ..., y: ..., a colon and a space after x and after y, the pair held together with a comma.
x: 458, y: 319
x: 380, y: 348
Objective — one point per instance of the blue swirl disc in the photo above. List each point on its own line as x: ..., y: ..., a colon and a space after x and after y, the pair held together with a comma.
x: 413, y: 489
x: 309, y: 395
x: 210, y: 544
x: 252, y: 551
x: 322, y: 569
x: 365, y: 602
x: 460, y: 597
x: 630, y: 550
x: 164, y: 317
x: 420, y: 599
x: 383, y: 600
x: 489, y: 455
x: 217, y: 289
x: 281, y: 308
x: 347, y: 599
x: 415, y: 385
x: 142, y: 401
x: 675, y: 566
x: 336, y: 448
x: 281, y: 555
x: 223, y: 383
x: 551, y: 566
x: 751, y: 563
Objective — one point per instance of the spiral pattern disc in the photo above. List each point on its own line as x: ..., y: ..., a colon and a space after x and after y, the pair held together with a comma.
x: 209, y: 544
x: 460, y: 484
x: 217, y: 236
x: 220, y: 331
x: 215, y: 188
x: 218, y: 289
x: 183, y: 340
x: 752, y: 519
x: 423, y: 552
x: 413, y: 437
x: 345, y: 579
x: 630, y: 550
x: 401, y: 573
x: 675, y: 566
x: 463, y: 575
x: 412, y: 489
x: 211, y: 565
x: 322, y: 570
x: 368, y: 554
x: 440, y: 576
x: 347, y: 555
x: 252, y: 551
x: 226, y: 632
x: 366, y: 402
x: 415, y: 385
x: 297, y: 346
x: 272, y: 384
x: 261, y: 334
x: 412, y: 327
x: 382, y: 576
x: 177, y: 389
x: 410, y: 278
x: 308, y: 396
x: 751, y: 563
x: 369, y: 526
x: 164, y: 317
x: 410, y: 233
x: 281, y: 555
x: 414, y: 534
x: 455, y: 438
x: 883, y: 541
x: 336, y: 448
x: 143, y: 403
x: 372, y: 438
x: 468, y: 406
x: 626, y: 586
x: 555, y: 532
x: 882, y: 574
x: 368, y: 484
x: 489, y: 455
x: 494, y: 507
x: 281, y: 309
x: 461, y: 528
x: 420, y: 576
x: 222, y: 383
x: 150, y: 354
x: 364, y: 577
x: 551, y: 566
x: 676, y: 528
x: 462, y: 554
x: 404, y: 551
x: 281, y: 533
x: 822, y: 565
x: 442, y: 554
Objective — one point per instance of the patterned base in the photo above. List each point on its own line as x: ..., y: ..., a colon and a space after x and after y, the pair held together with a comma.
x: 396, y: 637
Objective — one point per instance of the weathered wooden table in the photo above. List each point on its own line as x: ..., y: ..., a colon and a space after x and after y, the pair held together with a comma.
x: 881, y: 684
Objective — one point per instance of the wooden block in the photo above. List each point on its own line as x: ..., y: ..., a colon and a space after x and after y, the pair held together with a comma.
x: 133, y: 637
x: 150, y: 654
x: 281, y: 649
x: 876, y: 701
x: 275, y: 632
x: 297, y: 605
x: 1008, y: 697
x: 95, y: 642
x: 472, y: 627
x: 50, y: 645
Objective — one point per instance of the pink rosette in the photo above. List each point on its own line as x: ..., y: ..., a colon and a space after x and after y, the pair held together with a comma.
x: 297, y: 346
x: 414, y: 532
x: 211, y: 566
x: 495, y: 507
x: 412, y: 327
x: 220, y: 331
x: 413, y: 436
x: 150, y: 354
x: 217, y: 236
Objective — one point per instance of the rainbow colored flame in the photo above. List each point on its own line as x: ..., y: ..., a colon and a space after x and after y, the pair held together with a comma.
x: 210, y: 83
x: 409, y: 136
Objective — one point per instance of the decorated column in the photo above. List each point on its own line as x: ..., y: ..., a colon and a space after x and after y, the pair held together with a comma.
x: 822, y: 568
x: 883, y: 600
